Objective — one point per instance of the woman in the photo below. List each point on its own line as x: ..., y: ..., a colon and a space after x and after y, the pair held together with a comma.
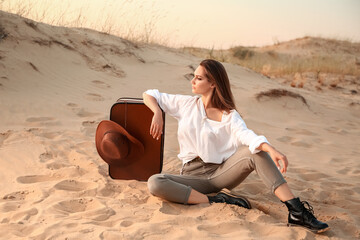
x: 212, y: 136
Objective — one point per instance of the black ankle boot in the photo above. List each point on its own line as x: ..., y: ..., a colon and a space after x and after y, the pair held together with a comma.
x: 225, y: 196
x: 301, y: 214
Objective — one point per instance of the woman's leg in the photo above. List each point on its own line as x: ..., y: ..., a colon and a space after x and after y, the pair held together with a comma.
x: 191, y: 187
x: 234, y: 170
x: 204, y: 178
x: 180, y: 188
x: 284, y: 193
x: 197, y: 197
x: 190, y: 190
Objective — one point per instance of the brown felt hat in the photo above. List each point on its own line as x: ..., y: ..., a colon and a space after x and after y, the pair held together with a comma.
x: 116, y: 146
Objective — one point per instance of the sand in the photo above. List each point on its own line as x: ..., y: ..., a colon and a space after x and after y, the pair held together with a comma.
x: 57, y: 84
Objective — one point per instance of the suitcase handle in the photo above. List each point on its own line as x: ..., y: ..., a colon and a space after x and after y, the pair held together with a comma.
x: 133, y: 100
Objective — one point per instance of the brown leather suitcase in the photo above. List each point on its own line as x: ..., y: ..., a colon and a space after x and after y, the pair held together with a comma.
x: 133, y: 115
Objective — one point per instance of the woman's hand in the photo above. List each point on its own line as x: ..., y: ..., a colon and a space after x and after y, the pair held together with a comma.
x: 157, y: 122
x: 279, y: 157
x: 156, y: 125
x: 276, y: 156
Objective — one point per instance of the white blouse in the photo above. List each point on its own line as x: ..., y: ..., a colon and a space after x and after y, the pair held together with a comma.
x: 212, y: 141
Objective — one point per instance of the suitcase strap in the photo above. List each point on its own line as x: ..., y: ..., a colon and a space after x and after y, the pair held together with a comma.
x: 131, y: 100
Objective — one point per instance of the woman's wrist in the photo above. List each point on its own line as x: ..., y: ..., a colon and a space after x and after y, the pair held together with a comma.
x: 158, y: 111
x: 265, y: 147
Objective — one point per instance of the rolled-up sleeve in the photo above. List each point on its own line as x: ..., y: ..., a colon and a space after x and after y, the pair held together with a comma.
x: 169, y: 103
x: 245, y: 136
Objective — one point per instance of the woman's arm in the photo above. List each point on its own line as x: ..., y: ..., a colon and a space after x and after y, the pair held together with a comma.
x: 275, y: 155
x: 156, y: 126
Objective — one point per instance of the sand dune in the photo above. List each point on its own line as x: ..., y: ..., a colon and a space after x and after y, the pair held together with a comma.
x: 57, y: 84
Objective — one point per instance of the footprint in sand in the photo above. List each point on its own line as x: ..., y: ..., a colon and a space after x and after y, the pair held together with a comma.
x: 77, y: 205
x: 56, y: 165
x: 35, y: 194
x: 301, y: 144
x: 72, y: 105
x: 101, y: 214
x: 75, y: 186
x: 43, y: 133
x: 4, y: 136
x: 336, y: 130
x: 89, y: 123
x: 88, y: 207
x: 111, y: 189
x: 301, y: 131
x: 46, y: 156
x: 313, y: 176
x: 332, y: 185
x: 169, y: 209
x: 35, y: 179
x: 336, y: 159
x: 102, y: 66
x: 126, y: 223
x: 285, y: 139
x: 9, y: 207
x: 89, y: 127
x: 39, y: 119
x: 94, y: 97
x: 83, y: 113
x: 24, y: 215
x: 42, y: 121
x: 100, y: 84
x: 345, y: 170
x: 20, y: 195
x: 306, y: 132
x: 294, y: 142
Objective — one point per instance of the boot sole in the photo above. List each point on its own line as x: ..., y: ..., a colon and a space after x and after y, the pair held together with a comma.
x: 228, y: 192
x: 309, y: 229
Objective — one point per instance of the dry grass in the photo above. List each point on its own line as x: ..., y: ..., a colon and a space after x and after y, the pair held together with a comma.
x: 278, y: 93
x: 243, y: 53
x: 275, y: 65
x: 135, y: 21
x: 309, y: 62
x: 302, y: 55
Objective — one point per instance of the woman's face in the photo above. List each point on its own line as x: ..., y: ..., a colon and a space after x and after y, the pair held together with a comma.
x: 200, y: 84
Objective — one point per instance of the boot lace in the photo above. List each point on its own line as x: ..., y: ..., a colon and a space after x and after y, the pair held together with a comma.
x: 309, y: 209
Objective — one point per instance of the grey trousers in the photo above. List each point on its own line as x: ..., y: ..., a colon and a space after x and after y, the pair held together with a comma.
x: 211, y: 178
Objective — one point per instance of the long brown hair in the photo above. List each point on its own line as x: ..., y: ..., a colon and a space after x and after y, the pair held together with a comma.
x: 222, y: 97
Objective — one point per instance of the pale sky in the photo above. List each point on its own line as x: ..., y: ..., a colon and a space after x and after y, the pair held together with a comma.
x: 260, y: 22
x: 208, y: 23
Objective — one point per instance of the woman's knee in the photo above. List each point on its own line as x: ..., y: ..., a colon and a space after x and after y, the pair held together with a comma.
x: 263, y: 157
x: 154, y: 183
